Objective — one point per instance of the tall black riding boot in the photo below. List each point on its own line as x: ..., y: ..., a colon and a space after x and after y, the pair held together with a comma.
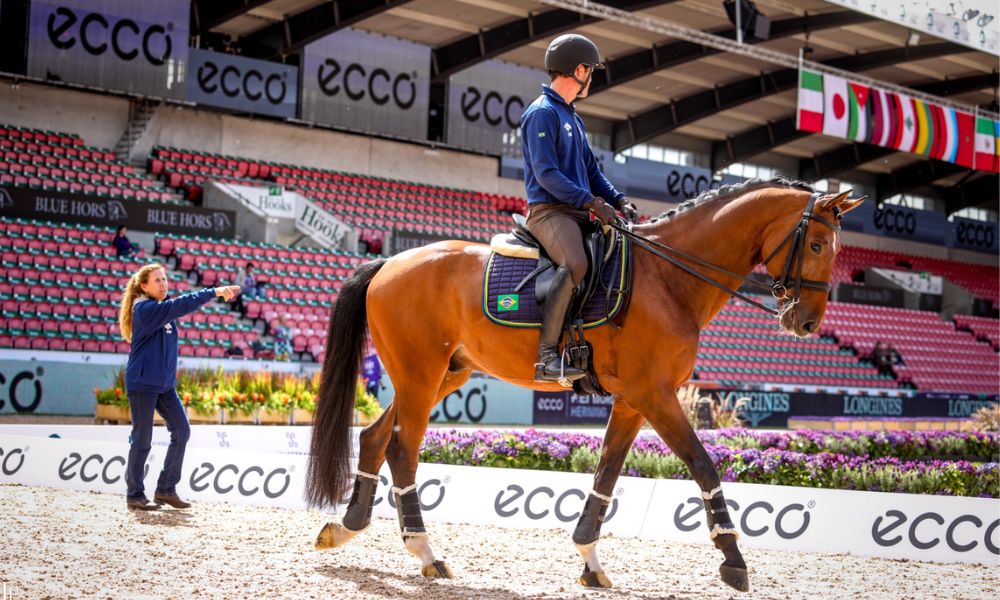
x: 549, y: 366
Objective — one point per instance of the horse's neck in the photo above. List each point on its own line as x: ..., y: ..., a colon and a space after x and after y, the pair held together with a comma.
x: 726, y: 233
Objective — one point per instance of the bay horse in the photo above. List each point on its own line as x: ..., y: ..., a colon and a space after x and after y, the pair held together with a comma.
x: 424, y: 311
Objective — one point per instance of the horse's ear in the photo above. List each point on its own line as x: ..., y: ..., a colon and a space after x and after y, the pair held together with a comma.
x: 850, y: 204
x: 840, y: 203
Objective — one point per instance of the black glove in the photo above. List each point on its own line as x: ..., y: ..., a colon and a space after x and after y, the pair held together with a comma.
x: 602, y: 210
x: 629, y: 211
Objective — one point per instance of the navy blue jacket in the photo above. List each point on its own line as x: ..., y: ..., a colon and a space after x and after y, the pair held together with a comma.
x: 152, y: 361
x: 559, y: 166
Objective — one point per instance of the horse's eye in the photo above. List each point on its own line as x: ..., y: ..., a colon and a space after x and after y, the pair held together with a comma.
x: 816, y: 247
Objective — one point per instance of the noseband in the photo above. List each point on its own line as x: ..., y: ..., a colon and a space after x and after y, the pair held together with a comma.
x: 786, y: 288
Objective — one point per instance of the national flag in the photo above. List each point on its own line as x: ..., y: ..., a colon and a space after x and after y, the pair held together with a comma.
x: 857, y: 98
x: 925, y: 128
x: 986, y: 143
x: 966, y: 141
x: 950, y: 143
x: 810, y: 114
x: 880, y: 132
x: 906, y: 124
x: 996, y: 146
x: 835, y: 111
x: 940, y: 134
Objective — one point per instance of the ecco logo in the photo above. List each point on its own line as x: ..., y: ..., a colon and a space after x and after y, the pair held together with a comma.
x: 402, y: 92
x: 493, y: 109
x: 895, y: 519
x: 126, y: 36
x: 475, y: 406
x: 20, y: 402
x: 797, y: 517
x: 888, y: 218
x: 11, y: 461
x: 430, y: 493
x: 975, y: 235
x: 252, y: 84
x: 689, y: 185
x: 551, y: 403
x: 92, y: 467
x: 252, y: 480
x: 535, y: 507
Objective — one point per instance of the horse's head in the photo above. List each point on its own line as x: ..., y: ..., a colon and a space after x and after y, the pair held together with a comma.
x: 799, y: 248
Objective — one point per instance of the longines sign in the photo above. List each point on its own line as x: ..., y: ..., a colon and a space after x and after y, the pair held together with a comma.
x: 92, y: 210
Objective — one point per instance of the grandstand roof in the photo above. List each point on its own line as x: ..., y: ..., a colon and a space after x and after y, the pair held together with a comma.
x: 666, y: 91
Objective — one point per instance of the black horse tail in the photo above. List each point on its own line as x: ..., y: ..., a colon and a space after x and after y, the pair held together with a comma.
x: 328, y: 472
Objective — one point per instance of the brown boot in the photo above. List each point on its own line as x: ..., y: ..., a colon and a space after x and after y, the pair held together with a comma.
x: 171, y: 500
x: 142, y: 504
x: 549, y: 366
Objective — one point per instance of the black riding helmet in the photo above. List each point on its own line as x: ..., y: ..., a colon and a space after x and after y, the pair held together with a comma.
x: 568, y: 51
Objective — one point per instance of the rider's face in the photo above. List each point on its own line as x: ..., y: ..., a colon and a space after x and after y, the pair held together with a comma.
x: 583, y: 73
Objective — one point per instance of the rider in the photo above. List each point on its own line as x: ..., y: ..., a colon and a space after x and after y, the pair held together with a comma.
x: 563, y: 183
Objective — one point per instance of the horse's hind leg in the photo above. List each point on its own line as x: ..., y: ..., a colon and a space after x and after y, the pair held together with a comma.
x: 371, y: 454
x: 622, y: 429
x: 402, y: 455
x: 665, y: 414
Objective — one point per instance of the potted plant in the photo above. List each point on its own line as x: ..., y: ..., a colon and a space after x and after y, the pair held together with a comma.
x: 112, y: 402
x: 366, y: 406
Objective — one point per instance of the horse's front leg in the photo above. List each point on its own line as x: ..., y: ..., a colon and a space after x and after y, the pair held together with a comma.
x: 667, y: 417
x: 623, y: 426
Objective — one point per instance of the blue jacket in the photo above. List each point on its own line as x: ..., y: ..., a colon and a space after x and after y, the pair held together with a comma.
x: 152, y: 361
x: 559, y: 166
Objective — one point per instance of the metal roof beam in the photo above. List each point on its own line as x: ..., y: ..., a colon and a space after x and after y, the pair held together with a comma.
x: 913, y: 176
x: 647, y: 61
x: 488, y: 43
x: 208, y: 14
x: 295, y: 31
x: 979, y: 192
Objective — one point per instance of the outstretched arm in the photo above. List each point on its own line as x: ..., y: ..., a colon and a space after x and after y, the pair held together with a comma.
x: 150, y: 315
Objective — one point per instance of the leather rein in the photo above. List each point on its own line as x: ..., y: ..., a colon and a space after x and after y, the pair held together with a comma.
x: 786, y: 288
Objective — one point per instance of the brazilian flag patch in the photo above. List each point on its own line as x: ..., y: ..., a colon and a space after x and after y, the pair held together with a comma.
x: 507, y: 302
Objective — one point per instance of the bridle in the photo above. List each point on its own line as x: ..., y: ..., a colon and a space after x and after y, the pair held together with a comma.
x: 786, y: 288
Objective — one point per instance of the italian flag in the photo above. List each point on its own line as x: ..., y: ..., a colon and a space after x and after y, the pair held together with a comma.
x: 986, y: 145
x: 857, y: 98
x: 810, y: 114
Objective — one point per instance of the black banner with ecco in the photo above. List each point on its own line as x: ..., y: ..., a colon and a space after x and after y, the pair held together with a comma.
x: 27, y: 203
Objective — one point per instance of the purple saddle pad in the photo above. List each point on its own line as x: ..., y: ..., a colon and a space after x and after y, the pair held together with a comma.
x: 506, y: 307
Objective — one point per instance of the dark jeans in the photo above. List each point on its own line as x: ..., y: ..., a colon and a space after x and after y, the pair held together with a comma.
x: 557, y: 227
x: 143, y: 404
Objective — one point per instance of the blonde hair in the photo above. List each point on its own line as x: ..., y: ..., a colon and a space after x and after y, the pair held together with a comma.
x: 132, y: 291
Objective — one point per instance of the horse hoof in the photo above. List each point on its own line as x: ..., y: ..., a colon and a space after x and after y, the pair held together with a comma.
x: 735, y: 578
x: 333, y: 535
x: 437, y: 570
x: 594, y: 579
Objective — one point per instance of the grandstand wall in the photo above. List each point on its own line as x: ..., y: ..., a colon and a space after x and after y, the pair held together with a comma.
x: 864, y: 240
x: 97, y: 118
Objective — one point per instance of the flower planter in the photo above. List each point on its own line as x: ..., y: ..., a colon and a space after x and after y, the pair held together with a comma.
x: 362, y: 420
x: 109, y: 413
x: 198, y: 417
x: 239, y: 417
x: 301, y: 416
x: 270, y: 416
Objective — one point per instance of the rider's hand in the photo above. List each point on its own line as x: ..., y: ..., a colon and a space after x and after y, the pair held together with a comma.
x: 227, y: 292
x: 602, y: 210
x: 629, y: 210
